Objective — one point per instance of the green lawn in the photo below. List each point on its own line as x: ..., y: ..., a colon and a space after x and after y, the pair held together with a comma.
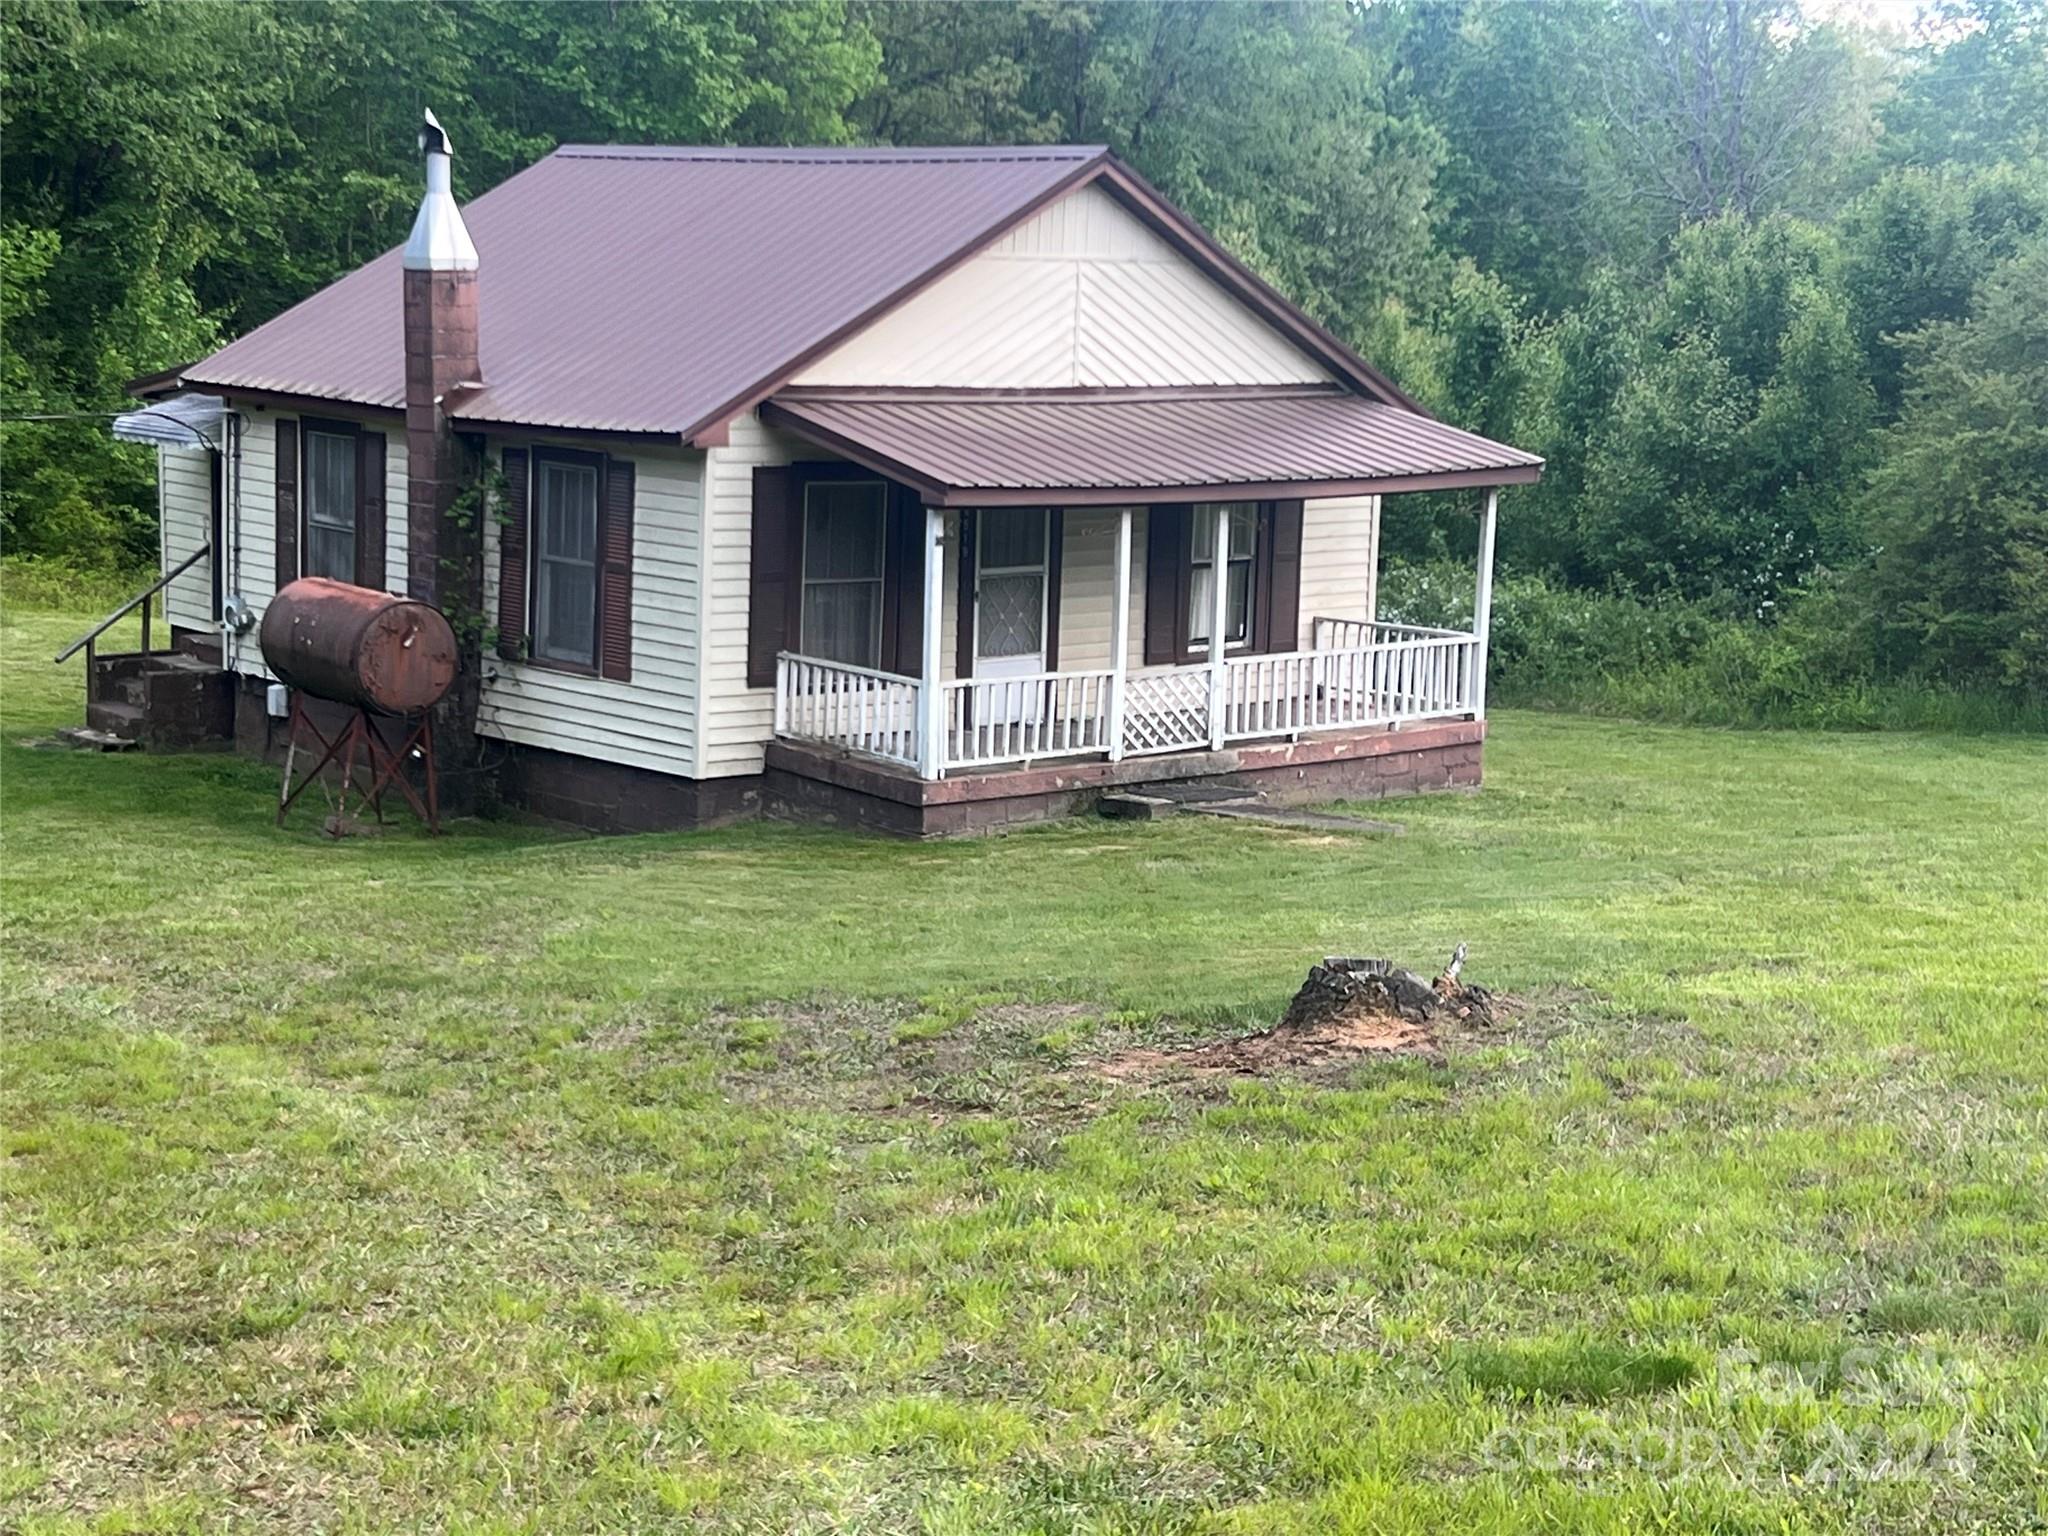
x: 756, y: 1180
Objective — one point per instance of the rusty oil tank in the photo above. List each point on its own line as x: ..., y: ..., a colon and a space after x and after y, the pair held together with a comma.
x: 336, y: 641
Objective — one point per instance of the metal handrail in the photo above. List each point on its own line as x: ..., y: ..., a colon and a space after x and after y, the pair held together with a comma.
x: 126, y: 608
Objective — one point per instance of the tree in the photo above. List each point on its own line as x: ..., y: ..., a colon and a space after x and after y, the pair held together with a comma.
x: 969, y: 74
x: 179, y: 172
x: 1916, y: 246
x: 1722, y: 465
x: 1977, y: 91
x: 1512, y: 87
x: 1960, y: 492
x: 1732, y: 106
x: 1273, y: 124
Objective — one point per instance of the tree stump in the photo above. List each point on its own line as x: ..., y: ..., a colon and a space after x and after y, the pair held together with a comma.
x: 1348, y: 990
x: 1347, y: 1008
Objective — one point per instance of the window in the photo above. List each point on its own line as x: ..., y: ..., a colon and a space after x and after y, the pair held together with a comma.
x: 330, y: 505
x: 842, y: 571
x: 1237, y: 611
x: 565, y: 561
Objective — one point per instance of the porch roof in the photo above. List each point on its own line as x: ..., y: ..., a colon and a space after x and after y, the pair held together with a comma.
x: 1112, y: 446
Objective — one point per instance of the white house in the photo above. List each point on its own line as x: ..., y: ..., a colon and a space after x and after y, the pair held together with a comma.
x: 912, y: 488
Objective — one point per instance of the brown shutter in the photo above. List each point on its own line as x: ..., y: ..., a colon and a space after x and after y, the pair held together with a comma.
x: 615, y: 574
x: 1055, y: 547
x: 963, y: 610
x: 370, y: 511
x: 903, y: 584
x: 773, y: 588
x: 287, y: 503
x: 1167, y: 531
x: 512, y: 539
x: 1280, y: 567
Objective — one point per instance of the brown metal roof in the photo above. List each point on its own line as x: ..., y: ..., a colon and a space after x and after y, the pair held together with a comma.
x: 989, y: 450
x: 649, y: 289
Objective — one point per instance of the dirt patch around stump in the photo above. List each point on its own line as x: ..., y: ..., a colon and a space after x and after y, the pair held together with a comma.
x: 1347, y: 1009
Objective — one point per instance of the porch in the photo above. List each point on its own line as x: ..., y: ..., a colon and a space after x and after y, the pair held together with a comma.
x: 1025, y: 600
x: 1359, y: 676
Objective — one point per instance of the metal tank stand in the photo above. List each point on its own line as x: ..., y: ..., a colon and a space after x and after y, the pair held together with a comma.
x: 382, y: 767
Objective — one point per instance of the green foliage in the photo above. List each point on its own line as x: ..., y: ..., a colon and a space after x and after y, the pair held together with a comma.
x: 1976, y: 93
x: 1816, y: 666
x: 1273, y: 124
x: 177, y: 173
x: 1721, y: 462
x: 1688, y: 253
x: 1960, y: 493
x: 1916, y: 246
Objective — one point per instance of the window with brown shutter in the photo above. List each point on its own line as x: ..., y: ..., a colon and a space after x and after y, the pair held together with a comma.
x: 1266, y: 595
x: 370, y: 511
x: 837, y: 569
x: 330, y: 502
x: 287, y: 503
x: 615, y: 595
x: 564, y: 558
x: 772, y: 590
x: 512, y: 535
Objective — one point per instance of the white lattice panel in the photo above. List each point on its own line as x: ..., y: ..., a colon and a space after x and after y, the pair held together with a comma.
x: 1166, y: 711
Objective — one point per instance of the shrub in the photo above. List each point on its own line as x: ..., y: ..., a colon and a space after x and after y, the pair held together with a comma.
x: 1680, y: 660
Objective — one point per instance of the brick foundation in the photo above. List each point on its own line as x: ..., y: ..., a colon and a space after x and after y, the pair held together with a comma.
x: 805, y: 783
x: 613, y: 797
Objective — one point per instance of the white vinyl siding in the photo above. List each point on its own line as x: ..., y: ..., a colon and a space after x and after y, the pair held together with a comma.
x: 185, y: 502
x: 1083, y: 293
x: 1340, y: 548
x: 737, y: 720
x: 650, y: 722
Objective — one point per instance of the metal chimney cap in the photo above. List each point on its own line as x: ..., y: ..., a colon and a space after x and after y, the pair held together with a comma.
x: 440, y: 241
x: 433, y: 137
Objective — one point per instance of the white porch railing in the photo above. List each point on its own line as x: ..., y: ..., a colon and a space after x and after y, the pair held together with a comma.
x: 1351, y: 634
x: 1387, y: 674
x: 1387, y: 683
x: 853, y: 707
x: 1014, y: 719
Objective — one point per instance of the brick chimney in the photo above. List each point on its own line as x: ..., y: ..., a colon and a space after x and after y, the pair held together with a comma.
x: 440, y: 357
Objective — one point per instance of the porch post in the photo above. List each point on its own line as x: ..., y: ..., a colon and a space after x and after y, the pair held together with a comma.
x: 1219, y: 610
x: 1482, y: 604
x: 1119, y: 634
x: 931, y: 729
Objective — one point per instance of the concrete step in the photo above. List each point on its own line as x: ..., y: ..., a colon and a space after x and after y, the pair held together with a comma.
x: 86, y: 738
x: 1300, y: 819
x: 1189, y: 794
x: 178, y: 662
x: 1126, y: 806
x: 163, y: 700
x: 113, y: 717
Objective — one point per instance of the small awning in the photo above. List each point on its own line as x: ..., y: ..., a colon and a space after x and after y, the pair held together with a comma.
x: 1102, y: 449
x: 183, y: 421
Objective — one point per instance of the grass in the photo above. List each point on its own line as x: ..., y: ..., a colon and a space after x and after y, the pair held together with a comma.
x: 755, y: 1180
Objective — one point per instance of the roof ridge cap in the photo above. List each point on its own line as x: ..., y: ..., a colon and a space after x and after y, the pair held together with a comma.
x: 823, y: 154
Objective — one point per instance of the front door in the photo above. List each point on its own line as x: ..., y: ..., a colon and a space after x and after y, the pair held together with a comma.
x: 1010, y: 601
